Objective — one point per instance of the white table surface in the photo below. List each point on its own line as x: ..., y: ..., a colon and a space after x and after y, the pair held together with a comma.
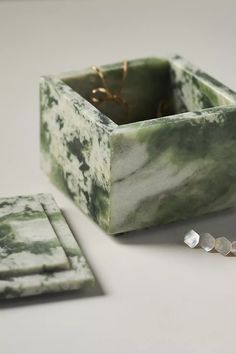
x: 155, y: 294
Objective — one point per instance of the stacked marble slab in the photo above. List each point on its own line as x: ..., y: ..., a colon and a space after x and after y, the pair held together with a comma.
x: 38, y: 252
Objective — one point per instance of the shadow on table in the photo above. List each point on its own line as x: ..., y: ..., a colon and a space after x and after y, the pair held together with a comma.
x: 86, y: 292
x: 221, y: 223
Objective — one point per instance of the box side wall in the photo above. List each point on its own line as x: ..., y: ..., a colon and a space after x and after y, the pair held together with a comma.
x: 173, y: 168
x: 75, y: 151
x: 144, y: 91
x: 194, y: 89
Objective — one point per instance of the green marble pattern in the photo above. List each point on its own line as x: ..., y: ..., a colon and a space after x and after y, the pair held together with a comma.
x: 193, y: 89
x: 74, y: 278
x: 28, y: 244
x: 173, y: 168
x: 144, y: 168
x: 76, y: 151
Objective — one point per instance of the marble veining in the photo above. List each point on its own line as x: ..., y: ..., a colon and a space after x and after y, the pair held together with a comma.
x: 76, y: 151
x: 28, y: 244
x: 172, y: 157
x: 77, y: 276
x: 190, y: 169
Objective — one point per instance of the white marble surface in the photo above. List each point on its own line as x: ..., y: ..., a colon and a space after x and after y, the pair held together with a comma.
x: 158, y: 295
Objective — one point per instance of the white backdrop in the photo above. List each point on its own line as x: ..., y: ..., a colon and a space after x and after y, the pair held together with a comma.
x: 155, y: 294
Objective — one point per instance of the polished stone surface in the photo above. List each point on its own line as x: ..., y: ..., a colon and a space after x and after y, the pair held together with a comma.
x: 223, y: 246
x: 149, y: 166
x: 207, y: 242
x: 77, y: 276
x: 233, y: 247
x: 28, y: 243
x: 192, y: 239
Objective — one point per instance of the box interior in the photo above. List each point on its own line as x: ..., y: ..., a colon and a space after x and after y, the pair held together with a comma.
x: 153, y: 88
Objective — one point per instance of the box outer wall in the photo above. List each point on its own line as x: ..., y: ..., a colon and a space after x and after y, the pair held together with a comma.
x: 75, y: 148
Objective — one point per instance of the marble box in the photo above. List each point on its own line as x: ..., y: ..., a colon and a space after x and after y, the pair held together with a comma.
x: 169, y: 156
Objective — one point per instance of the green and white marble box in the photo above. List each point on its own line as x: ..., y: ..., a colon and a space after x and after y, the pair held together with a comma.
x: 170, y: 155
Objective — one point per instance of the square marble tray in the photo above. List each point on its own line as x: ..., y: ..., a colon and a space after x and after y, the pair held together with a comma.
x: 77, y: 276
